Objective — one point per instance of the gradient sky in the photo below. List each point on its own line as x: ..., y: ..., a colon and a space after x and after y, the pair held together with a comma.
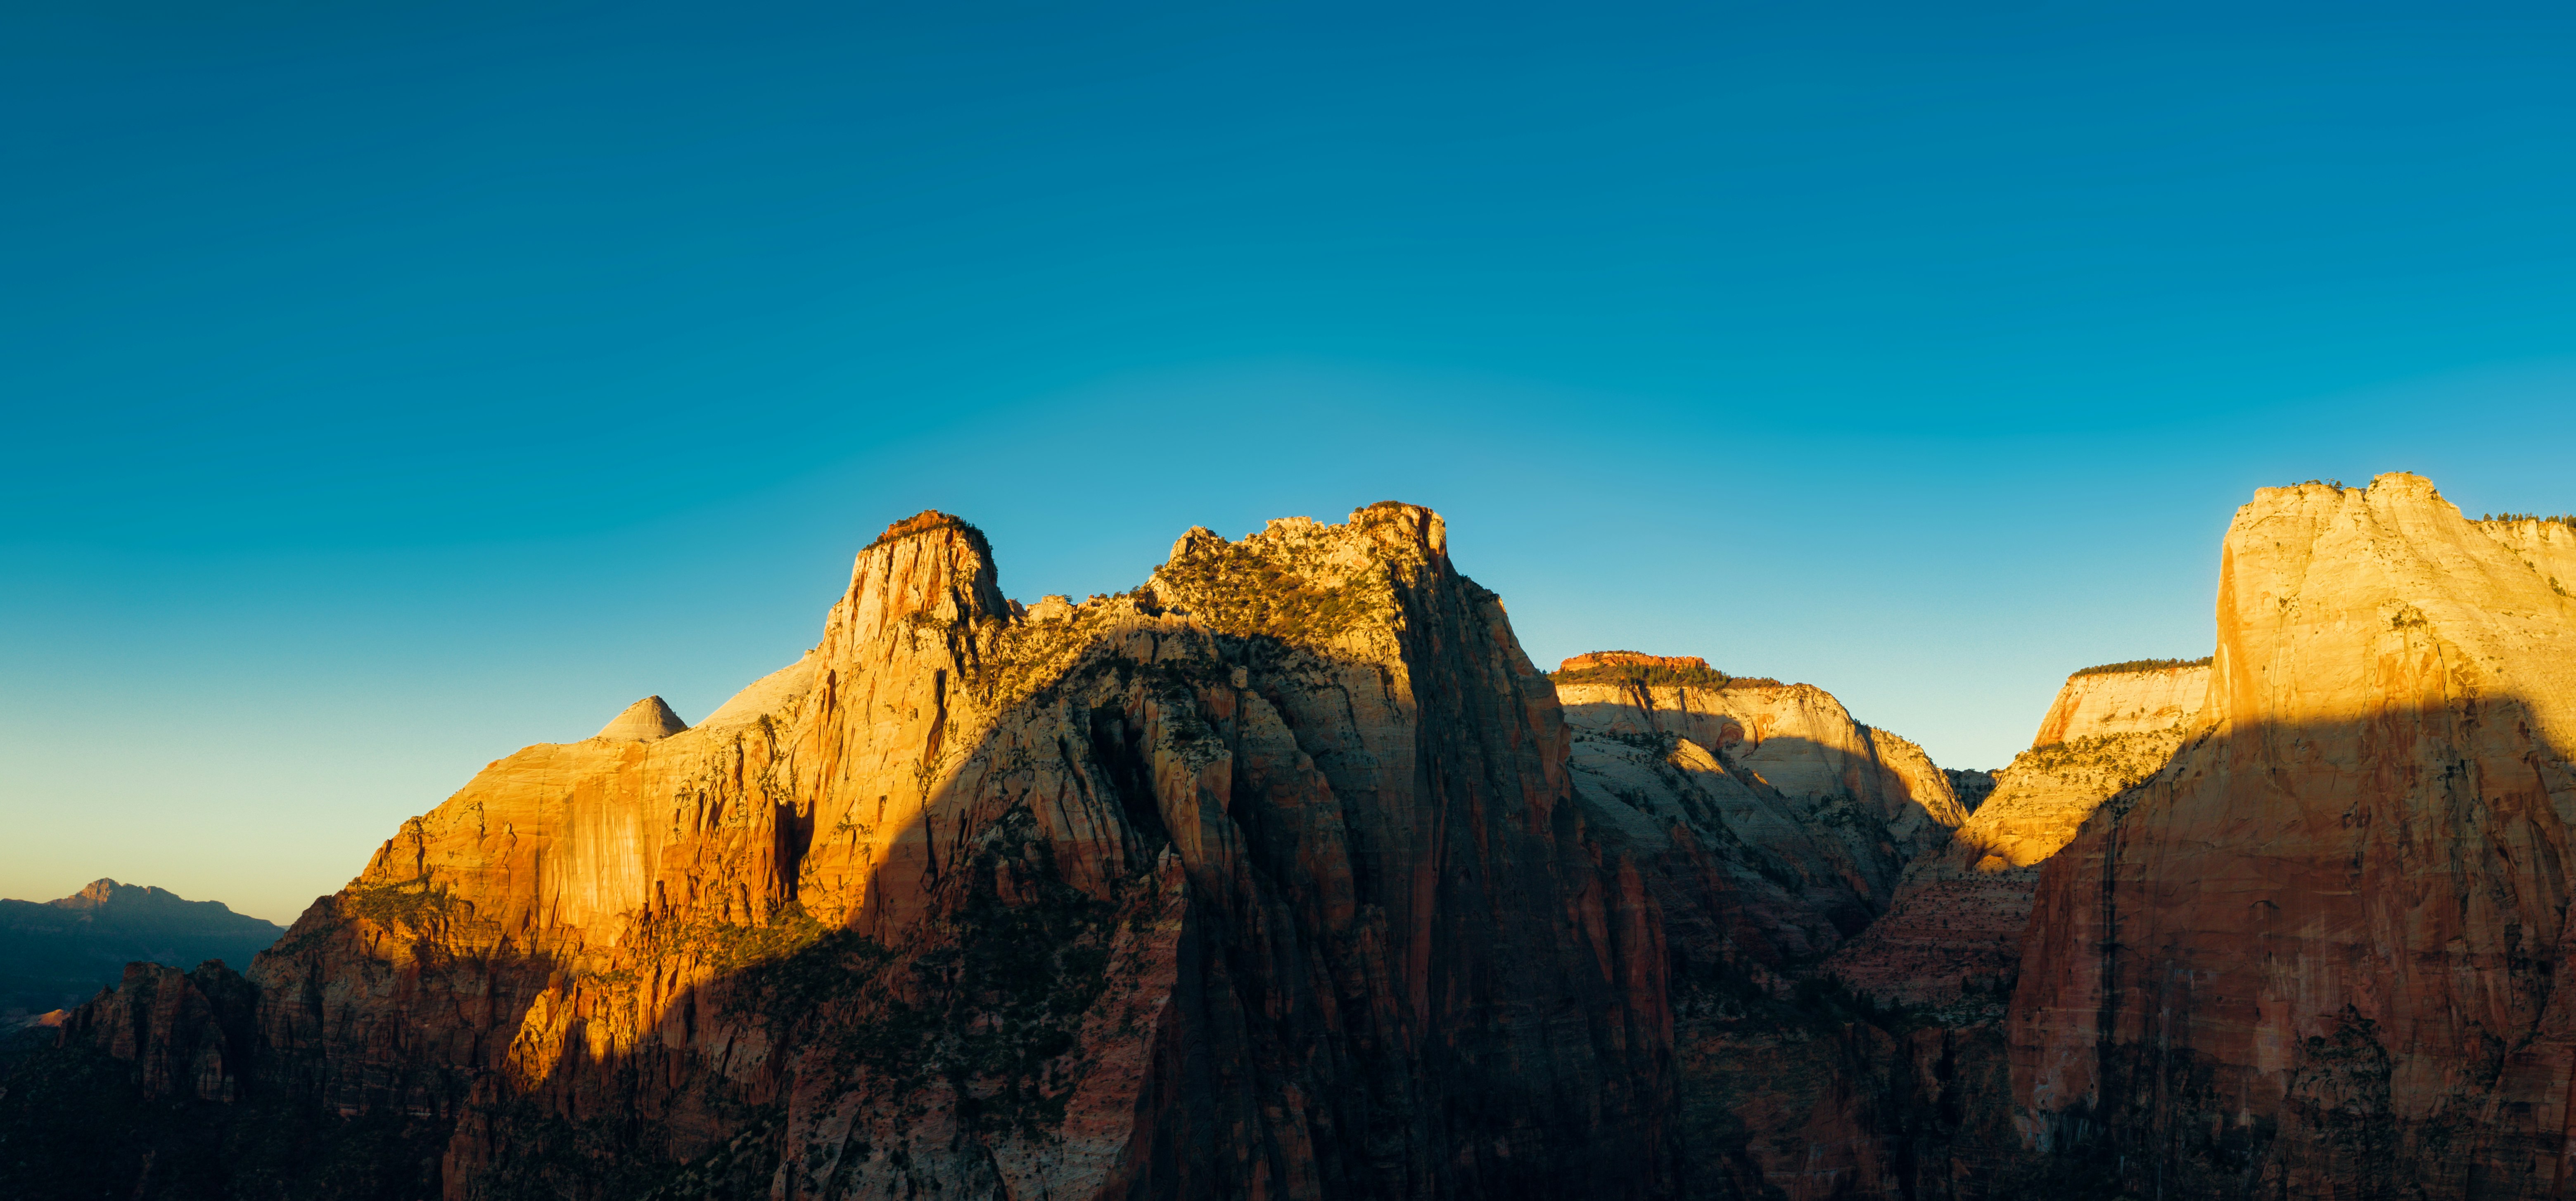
x: 390, y: 385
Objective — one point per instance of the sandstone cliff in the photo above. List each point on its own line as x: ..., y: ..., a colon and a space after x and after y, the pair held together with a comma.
x: 1812, y: 814
x: 1769, y: 826
x: 1286, y: 875
x: 1265, y: 879
x: 1953, y: 933
x: 2319, y: 953
x: 2146, y: 697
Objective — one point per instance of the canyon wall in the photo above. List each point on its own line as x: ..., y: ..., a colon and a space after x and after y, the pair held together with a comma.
x: 1769, y: 826
x: 1952, y: 935
x: 2104, y: 702
x: 1286, y: 875
x: 1806, y: 815
x: 2318, y: 954
x: 1263, y: 880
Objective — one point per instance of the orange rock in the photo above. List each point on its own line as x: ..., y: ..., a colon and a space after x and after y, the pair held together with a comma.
x: 1632, y: 658
x: 2318, y: 953
x: 1953, y: 932
x: 1259, y: 880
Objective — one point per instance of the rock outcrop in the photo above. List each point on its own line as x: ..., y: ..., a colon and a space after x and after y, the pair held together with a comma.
x: 2321, y: 953
x: 1953, y: 933
x: 188, y: 1034
x: 646, y: 720
x: 1594, y: 659
x: 2146, y: 697
x: 1286, y: 875
x: 1807, y: 815
x: 1769, y: 826
x: 1266, y: 879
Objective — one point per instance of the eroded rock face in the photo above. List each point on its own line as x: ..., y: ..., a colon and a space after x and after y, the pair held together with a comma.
x: 187, y: 1034
x: 1769, y: 826
x: 2100, y: 703
x: 1807, y: 815
x: 1266, y: 879
x: 2321, y: 952
x: 1952, y: 936
x: 1286, y: 875
x: 644, y: 721
x: 1592, y: 659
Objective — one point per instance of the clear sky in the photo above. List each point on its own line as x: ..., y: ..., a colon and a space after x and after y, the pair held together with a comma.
x: 389, y: 385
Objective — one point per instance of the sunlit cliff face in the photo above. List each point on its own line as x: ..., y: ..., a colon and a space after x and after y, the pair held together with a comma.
x: 967, y: 860
x: 2364, y: 858
x: 1286, y: 874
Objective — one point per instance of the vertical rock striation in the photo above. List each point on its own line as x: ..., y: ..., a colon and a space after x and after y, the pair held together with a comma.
x: 1769, y: 826
x: 1953, y: 933
x: 1266, y: 879
x: 2320, y: 953
x: 1286, y: 875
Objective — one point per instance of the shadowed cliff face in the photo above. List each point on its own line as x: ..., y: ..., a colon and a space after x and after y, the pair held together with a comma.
x: 1952, y: 936
x: 1286, y: 875
x: 1769, y: 826
x: 1263, y: 880
x: 1780, y: 824
x: 2320, y: 953
x: 59, y: 953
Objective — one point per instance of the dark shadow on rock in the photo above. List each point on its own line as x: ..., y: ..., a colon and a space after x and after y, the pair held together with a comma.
x: 57, y: 954
x: 1338, y: 959
x: 154, y: 1090
x: 2310, y: 960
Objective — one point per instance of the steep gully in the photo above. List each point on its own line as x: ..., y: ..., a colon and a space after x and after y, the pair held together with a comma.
x: 1287, y: 875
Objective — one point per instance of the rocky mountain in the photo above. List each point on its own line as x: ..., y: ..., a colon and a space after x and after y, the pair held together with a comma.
x: 1768, y: 827
x: 1953, y: 932
x: 1285, y: 874
x: 2318, y: 952
x: 1779, y: 822
x: 56, y: 954
x: 1263, y: 879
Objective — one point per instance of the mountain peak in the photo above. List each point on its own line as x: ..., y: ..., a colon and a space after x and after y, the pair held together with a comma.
x: 647, y: 720
x: 930, y: 568
x: 96, y: 893
x: 928, y: 520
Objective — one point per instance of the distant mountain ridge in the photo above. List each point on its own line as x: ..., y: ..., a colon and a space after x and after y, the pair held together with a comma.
x: 56, y: 954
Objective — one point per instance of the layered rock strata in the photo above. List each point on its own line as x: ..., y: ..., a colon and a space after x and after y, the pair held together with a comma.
x: 1807, y: 815
x: 1286, y: 875
x: 2323, y: 952
x: 1266, y: 880
x: 1769, y: 826
x: 1953, y: 932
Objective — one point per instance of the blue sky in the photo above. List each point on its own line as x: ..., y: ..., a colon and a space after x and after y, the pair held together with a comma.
x: 392, y: 385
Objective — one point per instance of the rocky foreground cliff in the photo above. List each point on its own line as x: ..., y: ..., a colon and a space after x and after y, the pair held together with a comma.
x: 1265, y: 879
x: 1287, y: 875
x: 2321, y: 952
x: 1952, y: 934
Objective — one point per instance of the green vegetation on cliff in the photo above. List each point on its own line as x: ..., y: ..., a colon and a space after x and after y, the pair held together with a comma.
x: 1656, y: 675
x: 2129, y: 665
x: 1234, y: 588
